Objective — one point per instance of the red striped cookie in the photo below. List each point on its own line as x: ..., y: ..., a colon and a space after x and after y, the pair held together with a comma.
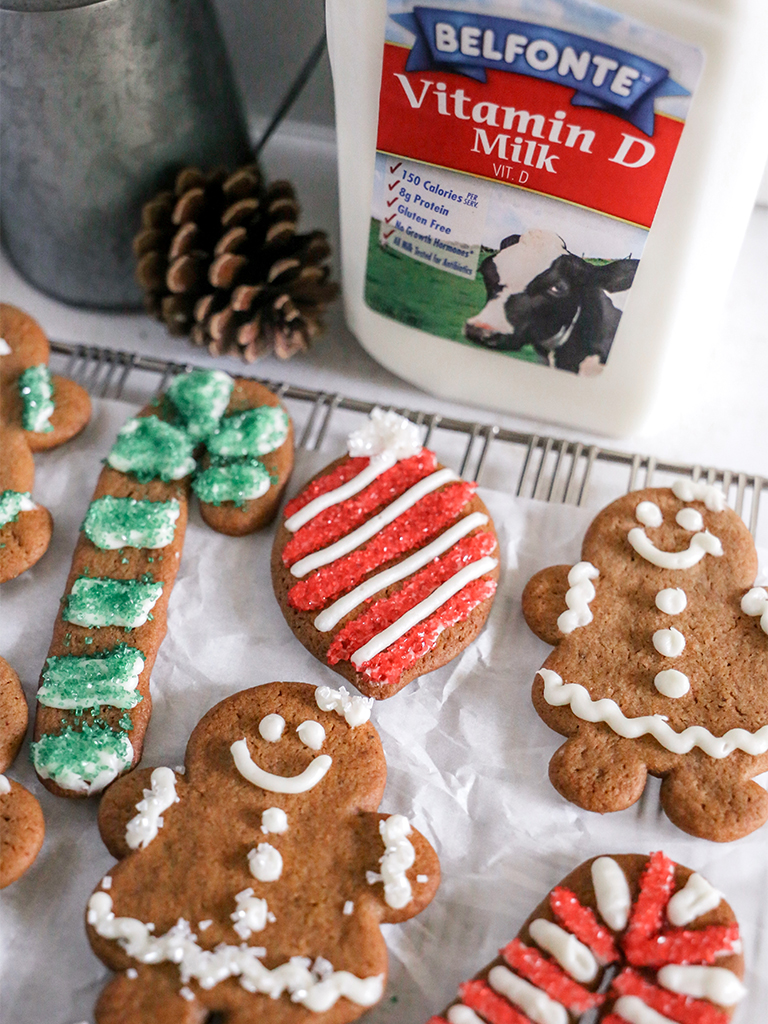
x: 385, y: 564
x: 626, y: 939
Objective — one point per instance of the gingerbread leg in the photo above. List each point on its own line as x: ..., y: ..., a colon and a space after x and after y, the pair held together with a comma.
x: 598, y: 772
x: 713, y: 804
x: 151, y: 997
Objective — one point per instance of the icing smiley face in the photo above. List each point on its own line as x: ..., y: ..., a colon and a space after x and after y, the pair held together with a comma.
x: 662, y: 668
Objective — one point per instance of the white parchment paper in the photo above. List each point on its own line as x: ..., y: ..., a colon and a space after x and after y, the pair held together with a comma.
x: 467, y: 759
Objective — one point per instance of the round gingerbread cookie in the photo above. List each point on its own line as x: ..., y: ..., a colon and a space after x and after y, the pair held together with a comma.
x: 385, y: 564
x: 625, y: 939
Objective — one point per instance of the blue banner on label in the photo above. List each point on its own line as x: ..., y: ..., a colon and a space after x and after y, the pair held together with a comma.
x: 604, y: 76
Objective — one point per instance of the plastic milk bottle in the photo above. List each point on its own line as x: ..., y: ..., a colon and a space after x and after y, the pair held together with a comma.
x: 542, y: 201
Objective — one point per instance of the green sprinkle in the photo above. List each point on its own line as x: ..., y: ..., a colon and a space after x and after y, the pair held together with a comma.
x: 88, y: 640
x: 237, y: 481
x: 124, y: 561
x: 108, y: 602
x: 84, y: 760
x: 126, y: 722
x: 150, y: 617
x: 149, y: 448
x: 246, y: 435
x: 12, y: 503
x: 36, y: 390
x: 201, y: 399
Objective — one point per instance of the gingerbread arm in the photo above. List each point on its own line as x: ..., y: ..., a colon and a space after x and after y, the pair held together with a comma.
x: 544, y: 601
x: 400, y: 894
x: 119, y: 804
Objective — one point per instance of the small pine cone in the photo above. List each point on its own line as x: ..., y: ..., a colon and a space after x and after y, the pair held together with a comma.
x: 176, y: 243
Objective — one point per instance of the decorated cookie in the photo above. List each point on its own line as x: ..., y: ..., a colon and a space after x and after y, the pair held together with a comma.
x: 21, y: 818
x: 622, y: 940
x: 661, y: 661
x: 385, y: 564
x: 251, y: 888
x: 38, y: 410
x: 231, y: 442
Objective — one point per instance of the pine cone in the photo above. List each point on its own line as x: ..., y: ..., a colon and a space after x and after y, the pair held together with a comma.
x: 219, y: 257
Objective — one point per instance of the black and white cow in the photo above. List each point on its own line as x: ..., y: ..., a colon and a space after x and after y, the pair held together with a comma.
x: 540, y: 294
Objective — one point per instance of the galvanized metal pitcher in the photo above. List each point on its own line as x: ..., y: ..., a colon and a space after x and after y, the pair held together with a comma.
x: 101, y: 101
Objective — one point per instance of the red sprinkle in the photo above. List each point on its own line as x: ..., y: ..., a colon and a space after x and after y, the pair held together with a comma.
x: 546, y: 975
x: 656, y: 884
x: 480, y: 997
x: 682, y: 947
x: 428, y: 517
x: 338, y: 476
x: 581, y: 921
x: 388, y: 666
x: 683, y: 1009
x: 383, y: 613
x: 339, y: 520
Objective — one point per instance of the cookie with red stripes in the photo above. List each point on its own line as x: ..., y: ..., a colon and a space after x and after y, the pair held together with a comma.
x: 628, y: 939
x: 385, y: 564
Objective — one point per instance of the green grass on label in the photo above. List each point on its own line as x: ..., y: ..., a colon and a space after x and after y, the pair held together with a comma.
x: 424, y: 297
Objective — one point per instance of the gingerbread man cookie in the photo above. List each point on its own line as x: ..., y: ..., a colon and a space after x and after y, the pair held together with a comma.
x: 661, y: 661
x: 622, y: 940
x: 22, y: 828
x: 250, y: 890
x: 38, y: 410
x: 385, y: 565
x: 230, y: 441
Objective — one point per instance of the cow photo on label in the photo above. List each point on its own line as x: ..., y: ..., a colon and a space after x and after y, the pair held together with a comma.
x: 540, y: 294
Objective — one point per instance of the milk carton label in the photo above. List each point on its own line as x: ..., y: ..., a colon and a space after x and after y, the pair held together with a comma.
x: 522, y: 151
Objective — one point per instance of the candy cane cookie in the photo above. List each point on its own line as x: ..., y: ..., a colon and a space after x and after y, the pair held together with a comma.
x: 231, y: 442
x: 385, y: 564
x: 38, y: 410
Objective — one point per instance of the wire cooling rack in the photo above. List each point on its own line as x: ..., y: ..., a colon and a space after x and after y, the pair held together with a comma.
x: 534, y: 466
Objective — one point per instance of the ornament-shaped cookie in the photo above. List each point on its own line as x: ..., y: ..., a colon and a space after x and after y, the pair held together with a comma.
x: 385, y: 564
x: 22, y: 827
x: 661, y: 662
x: 252, y: 887
x: 623, y: 940
x: 230, y: 441
x: 38, y: 410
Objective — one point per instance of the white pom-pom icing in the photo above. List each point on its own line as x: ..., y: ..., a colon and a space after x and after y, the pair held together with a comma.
x: 689, y: 490
x: 385, y: 433
x: 354, y: 710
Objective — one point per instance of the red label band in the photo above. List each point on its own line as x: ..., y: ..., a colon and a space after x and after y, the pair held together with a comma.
x: 524, y: 132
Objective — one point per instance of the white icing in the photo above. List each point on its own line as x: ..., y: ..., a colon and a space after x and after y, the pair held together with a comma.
x: 5, y: 786
x: 690, y: 519
x: 459, y: 1014
x: 251, y: 915
x: 186, y: 993
x: 142, y: 829
x: 635, y: 1011
x: 209, y: 967
x: 697, y: 897
x: 369, y: 529
x: 265, y: 863
x: 271, y: 728
x: 422, y: 879
x: 274, y: 819
x: 399, y: 855
x: 385, y: 432
x: 672, y: 683
x: 335, y: 612
x: 106, y: 882
x: 671, y: 600
x: 132, y: 974
x: 354, y: 710
x: 578, y: 597
x: 755, y: 602
x: 649, y: 514
x: 557, y: 693
x: 5, y: 348
x: 710, y: 494
x: 378, y: 465
x: 669, y: 642
x: 573, y: 956
x: 205, y: 925
x: 311, y: 734
x: 531, y: 1000
x: 106, y: 765
x: 349, y: 908
x: 717, y: 984
x: 422, y: 610
x: 701, y: 544
x: 612, y: 894
x: 301, y: 783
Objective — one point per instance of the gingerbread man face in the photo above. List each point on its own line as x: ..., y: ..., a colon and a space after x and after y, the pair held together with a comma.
x: 660, y: 661
x: 268, y: 849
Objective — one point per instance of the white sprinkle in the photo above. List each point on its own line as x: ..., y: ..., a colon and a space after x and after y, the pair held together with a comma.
x: 180, y: 769
x: 106, y: 882
x: 204, y: 925
x: 349, y: 908
x: 132, y: 973
x: 422, y: 879
x: 187, y: 993
x: 372, y: 877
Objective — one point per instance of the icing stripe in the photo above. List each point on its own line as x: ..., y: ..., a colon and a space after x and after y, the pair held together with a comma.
x: 635, y: 1011
x: 697, y: 897
x: 376, y: 467
x: 557, y: 693
x: 458, y: 1014
x: 494, y: 1008
x: 717, y: 984
x: 423, y: 610
x: 573, y: 956
x: 344, y: 516
x: 683, y: 1009
x: 338, y: 476
x: 531, y: 965
x: 422, y: 523
x: 581, y: 921
x: 332, y: 615
x: 388, y: 666
x: 531, y: 1000
x: 612, y: 895
x: 364, y: 533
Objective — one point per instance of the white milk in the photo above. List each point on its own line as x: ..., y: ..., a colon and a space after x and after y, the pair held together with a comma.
x: 569, y: 188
